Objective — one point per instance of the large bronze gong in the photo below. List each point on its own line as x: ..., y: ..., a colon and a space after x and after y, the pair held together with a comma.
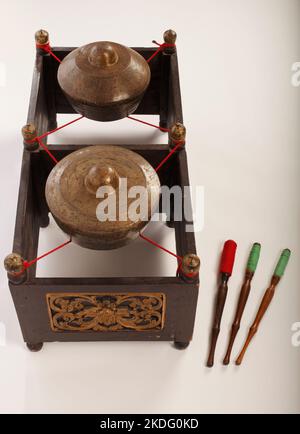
x: 73, y: 195
x: 104, y: 81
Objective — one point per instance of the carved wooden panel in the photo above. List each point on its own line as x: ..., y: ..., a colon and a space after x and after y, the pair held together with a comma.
x: 83, y: 312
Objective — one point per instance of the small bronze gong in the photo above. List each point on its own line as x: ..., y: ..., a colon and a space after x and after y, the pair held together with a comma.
x: 104, y: 81
x: 77, y: 204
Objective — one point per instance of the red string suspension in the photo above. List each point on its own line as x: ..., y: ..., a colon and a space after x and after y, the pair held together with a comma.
x: 58, y: 128
x: 42, y: 145
x: 180, y: 143
x: 46, y: 149
x: 47, y: 49
x: 160, y: 48
x: 165, y: 130
x: 27, y: 264
x: 189, y: 275
x: 160, y: 247
x: 179, y: 258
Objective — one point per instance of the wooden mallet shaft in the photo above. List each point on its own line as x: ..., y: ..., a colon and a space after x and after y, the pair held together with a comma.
x: 243, y: 297
x: 267, y: 298
x: 226, y: 266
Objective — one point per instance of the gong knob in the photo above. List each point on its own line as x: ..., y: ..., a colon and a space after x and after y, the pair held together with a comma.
x: 104, y: 56
x: 99, y: 176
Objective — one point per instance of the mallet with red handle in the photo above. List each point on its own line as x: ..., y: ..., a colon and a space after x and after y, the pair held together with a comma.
x: 226, y: 266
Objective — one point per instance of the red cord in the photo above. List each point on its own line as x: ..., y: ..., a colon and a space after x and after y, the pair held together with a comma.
x: 45, y: 47
x: 160, y: 48
x: 27, y: 264
x: 39, y: 138
x: 59, y: 128
x: 189, y: 275
x: 47, y: 150
x: 48, y: 49
x: 179, y: 258
x: 180, y: 143
x: 165, y: 130
x: 160, y: 247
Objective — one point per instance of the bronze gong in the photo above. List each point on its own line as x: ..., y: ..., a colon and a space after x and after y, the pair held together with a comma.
x: 72, y: 194
x: 104, y: 81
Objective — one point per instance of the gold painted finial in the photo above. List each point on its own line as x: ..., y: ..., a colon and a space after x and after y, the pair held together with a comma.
x: 190, y: 264
x: 41, y: 37
x: 177, y: 133
x: 29, y: 133
x: 14, y: 263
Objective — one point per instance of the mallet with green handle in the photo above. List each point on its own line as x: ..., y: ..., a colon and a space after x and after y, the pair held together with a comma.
x: 244, y: 294
x: 267, y: 298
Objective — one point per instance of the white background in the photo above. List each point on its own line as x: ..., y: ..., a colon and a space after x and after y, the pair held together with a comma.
x: 242, y: 117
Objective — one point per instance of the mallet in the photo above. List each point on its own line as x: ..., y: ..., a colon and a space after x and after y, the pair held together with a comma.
x: 226, y: 266
x: 267, y: 298
x: 244, y: 294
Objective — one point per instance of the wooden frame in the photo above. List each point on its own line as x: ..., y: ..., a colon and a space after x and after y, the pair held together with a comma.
x: 163, y: 98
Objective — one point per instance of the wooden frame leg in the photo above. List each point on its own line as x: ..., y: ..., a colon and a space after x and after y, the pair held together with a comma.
x: 181, y: 345
x: 34, y: 347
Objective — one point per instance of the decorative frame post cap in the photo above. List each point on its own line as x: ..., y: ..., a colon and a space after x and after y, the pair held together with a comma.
x: 41, y: 37
x: 29, y: 133
x: 170, y: 36
x: 178, y: 132
x: 190, y: 265
x: 14, y: 264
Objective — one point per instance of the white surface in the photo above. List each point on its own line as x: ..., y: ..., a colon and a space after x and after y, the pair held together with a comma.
x: 242, y: 117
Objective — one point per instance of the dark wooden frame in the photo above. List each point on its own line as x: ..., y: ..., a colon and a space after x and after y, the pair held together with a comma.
x: 163, y: 98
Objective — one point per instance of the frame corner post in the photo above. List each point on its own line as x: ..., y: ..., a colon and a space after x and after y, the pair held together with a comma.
x: 169, y: 38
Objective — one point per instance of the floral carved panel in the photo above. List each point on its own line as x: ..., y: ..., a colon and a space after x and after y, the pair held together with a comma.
x: 83, y: 312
